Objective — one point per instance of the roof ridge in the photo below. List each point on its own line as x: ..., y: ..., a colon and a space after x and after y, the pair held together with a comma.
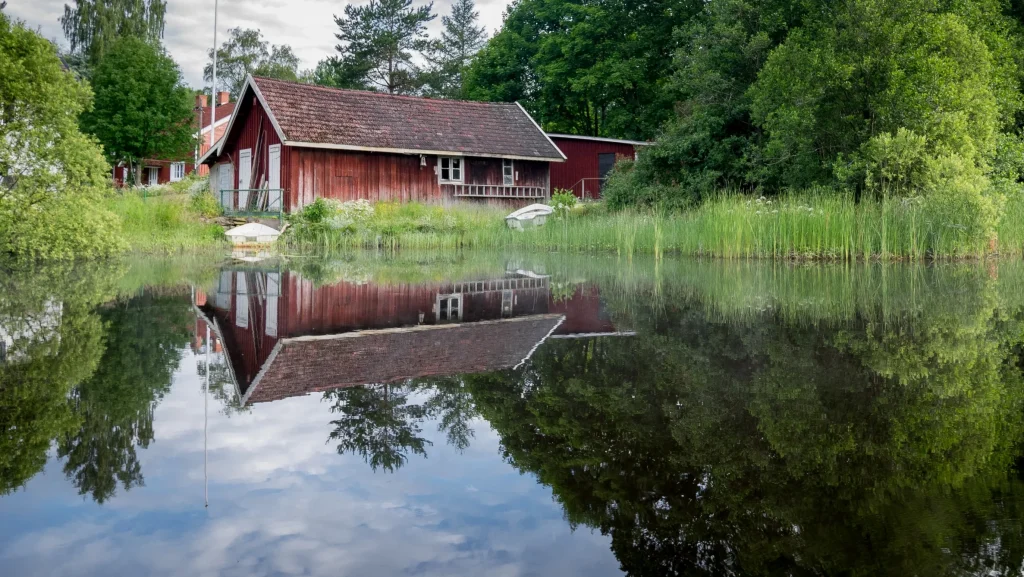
x: 381, y: 94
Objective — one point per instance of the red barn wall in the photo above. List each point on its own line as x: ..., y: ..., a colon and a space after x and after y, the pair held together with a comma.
x: 582, y: 163
x: 348, y: 175
x: 251, y: 125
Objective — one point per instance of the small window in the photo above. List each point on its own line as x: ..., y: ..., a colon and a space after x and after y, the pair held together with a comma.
x: 508, y: 175
x: 177, y: 171
x: 449, y: 307
x: 451, y: 169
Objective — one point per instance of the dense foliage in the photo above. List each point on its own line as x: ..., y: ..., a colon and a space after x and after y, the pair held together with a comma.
x: 596, y: 68
x: 52, y: 176
x: 876, y: 98
x: 142, y: 108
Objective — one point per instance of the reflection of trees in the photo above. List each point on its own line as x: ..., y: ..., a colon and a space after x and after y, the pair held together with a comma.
x: 377, y: 423
x: 765, y: 447
x: 145, y: 337
x: 221, y: 387
x: 383, y: 425
x: 59, y: 346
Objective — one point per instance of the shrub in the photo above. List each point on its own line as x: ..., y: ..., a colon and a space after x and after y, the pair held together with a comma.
x: 205, y: 204
x: 563, y: 201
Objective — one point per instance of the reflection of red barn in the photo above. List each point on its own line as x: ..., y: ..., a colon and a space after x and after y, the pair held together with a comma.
x: 588, y: 161
x: 286, y: 337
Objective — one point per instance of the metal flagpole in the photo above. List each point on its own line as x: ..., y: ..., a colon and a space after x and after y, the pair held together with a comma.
x: 206, y: 388
x: 213, y: 90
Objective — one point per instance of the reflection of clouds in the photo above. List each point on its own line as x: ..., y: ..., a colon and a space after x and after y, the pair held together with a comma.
x: 306, y: 25
x: 283, y: 502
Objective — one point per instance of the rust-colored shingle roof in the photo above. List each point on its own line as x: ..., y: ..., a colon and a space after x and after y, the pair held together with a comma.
x: 311, y: 364
x: 329, y: 116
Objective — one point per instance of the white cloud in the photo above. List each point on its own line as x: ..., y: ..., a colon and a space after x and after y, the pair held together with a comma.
x: 306, y: 25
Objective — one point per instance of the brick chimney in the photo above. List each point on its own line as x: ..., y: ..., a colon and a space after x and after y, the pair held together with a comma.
x: 222, y: 98
x: 201, y: 100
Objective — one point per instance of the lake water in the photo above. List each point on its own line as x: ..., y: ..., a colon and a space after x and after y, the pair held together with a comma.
x: 511, y: 415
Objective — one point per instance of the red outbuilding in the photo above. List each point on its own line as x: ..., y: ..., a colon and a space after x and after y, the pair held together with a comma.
x: 589, y: 159
x: 290, y: 143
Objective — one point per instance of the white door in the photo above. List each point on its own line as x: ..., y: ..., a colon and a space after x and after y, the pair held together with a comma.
x: 273, y: 291
x: 274, y: 178
x: 154, y: 175
x: 241, y: 301
x: 226, y: 174
x: 244, y: 172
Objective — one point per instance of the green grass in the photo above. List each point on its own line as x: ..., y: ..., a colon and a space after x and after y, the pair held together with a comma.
x: 806, y: 227
x: 164, y: 224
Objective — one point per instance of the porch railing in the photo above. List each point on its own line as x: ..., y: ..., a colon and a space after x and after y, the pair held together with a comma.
x: 588, y: 188
x: 497, y: 191
x: 258, y: 202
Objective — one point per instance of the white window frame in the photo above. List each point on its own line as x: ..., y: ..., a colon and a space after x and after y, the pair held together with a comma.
x: 452, y: 304
x: 508, y: 172
x: 177, y: 171
x: 456, y: 164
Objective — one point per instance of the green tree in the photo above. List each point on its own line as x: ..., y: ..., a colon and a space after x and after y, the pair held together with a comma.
x: 142, y: 108
x: 246, y: 52
x: 338, y: 72
x: 379, y: 41
x: 93, y: 26
x: 51, y: 175
x: 592, y: 68
x: 450, y: 56
x: 711, y: 142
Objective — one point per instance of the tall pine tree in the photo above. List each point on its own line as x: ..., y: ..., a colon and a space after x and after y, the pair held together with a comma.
x: 449, y: 57
x: 378, y: 42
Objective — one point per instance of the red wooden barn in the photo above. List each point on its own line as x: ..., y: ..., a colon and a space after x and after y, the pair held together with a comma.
x: 589, y: 159
x: 311, y: 141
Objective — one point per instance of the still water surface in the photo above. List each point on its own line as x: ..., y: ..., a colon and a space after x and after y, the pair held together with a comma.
x: 511, y: 415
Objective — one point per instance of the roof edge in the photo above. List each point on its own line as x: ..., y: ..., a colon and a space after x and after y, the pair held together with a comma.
x: 414, y: 151
x: 541, y: 130
x: 600, y: 139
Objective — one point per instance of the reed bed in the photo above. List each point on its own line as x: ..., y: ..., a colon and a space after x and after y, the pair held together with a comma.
x: 799, y: 227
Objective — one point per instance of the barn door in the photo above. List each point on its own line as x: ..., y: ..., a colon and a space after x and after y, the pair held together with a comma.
x: 274, y: 176
x: 244, y: 174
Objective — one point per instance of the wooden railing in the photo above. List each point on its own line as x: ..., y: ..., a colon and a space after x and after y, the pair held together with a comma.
x: 260, y: 202
x: 496, y: 191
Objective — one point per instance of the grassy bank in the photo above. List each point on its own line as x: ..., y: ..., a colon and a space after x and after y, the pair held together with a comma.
x: 825, y: 227
x: 164, y: 224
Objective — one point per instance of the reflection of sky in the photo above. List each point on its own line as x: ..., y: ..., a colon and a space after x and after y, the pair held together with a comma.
x: 282, y: 502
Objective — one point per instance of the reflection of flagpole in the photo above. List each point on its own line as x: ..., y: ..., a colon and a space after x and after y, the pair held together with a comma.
x: 206, y: 388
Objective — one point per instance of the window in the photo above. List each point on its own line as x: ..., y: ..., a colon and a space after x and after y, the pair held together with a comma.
x: 508, y: 175
x: 177, y: 171
x: 451, y: 169
x: 449, y: 307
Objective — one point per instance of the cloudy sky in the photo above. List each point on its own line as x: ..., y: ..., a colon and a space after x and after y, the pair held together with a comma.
x: 306, y: 25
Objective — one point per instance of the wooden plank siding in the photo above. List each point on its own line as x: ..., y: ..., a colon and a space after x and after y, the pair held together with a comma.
x: 253, y: 126
x: 583, y: 162
x: 348, y: 175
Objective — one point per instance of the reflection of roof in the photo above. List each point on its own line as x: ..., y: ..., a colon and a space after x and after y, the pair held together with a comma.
x: 302, y: 365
